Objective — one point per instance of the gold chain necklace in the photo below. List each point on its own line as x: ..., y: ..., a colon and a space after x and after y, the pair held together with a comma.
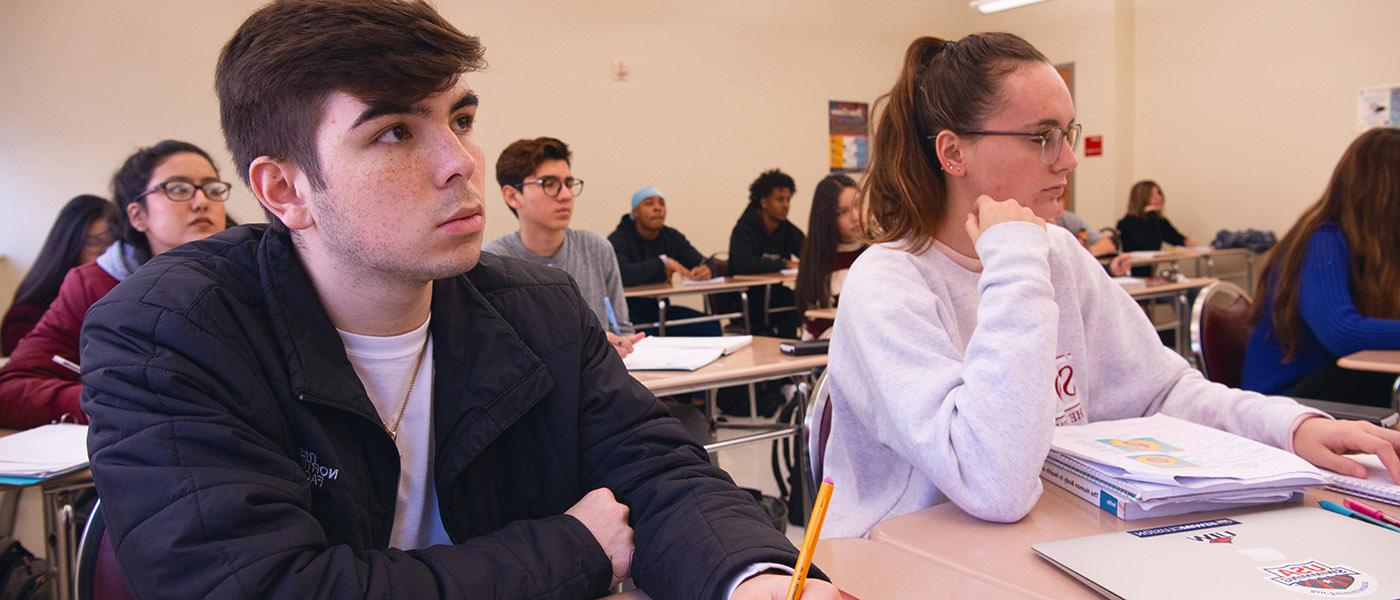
x: 394, y: 431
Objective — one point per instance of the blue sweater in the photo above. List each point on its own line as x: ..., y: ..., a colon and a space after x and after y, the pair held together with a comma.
x: 1332, y: 326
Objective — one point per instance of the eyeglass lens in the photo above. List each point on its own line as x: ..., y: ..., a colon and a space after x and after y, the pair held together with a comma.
x: 184, y: 190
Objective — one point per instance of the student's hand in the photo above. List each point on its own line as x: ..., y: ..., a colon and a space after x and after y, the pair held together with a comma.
x: 989, y: 212
x: 701, y: 271
x: 1323, y: 442
x: 1120, y: 265
x: 606, y: 519
x: 774, y: 587
x: 623, y: 345
x: 674, y: 266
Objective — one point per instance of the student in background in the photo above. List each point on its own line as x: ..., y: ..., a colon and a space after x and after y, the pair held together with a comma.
x: 835, y: 239
x: 539, y: 187
x: 970, y: 330
x: 78, y: 236
x: 1146, y: 227
x: 166, y: 195
x: 353, y: 401
x: 650, y: 252
x: 1095, y: 242
x: 764, y: 241
x: 1332, y: 286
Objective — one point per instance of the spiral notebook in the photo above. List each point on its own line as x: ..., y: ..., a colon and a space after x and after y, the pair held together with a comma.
x: 1376, y: 486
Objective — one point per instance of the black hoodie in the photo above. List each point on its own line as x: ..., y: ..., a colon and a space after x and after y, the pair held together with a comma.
x: 753, y: 250
x: 636, y: 255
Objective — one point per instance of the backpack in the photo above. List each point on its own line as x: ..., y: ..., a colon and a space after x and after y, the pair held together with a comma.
x: 22, y: 576
x: 784, y: 458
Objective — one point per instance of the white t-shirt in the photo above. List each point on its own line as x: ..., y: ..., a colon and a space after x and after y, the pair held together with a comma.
x: 384, y: 365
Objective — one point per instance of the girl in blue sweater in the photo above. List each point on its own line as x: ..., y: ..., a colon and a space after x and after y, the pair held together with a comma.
x: 1332, y: 286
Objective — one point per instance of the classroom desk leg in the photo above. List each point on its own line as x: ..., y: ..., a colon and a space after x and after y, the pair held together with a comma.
x: 61, y: 527
x: 753, y: 401
x: 661, y: 316
x: 1395, y: 395
x: 1210, y: 267
x: 1183, y: 323
x: 744, y: 308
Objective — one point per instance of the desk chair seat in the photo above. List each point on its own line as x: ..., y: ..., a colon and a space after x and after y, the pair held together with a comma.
x: 818, y: 427
x: 1220, y: 331
x: 98, y: 576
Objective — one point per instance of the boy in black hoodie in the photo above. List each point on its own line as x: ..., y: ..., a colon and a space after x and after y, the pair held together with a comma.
x: 765, y: 241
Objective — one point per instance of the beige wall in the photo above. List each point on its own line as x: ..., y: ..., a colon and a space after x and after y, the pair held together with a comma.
x: 719, y: 91
x: 1244, y: 107
x: 1238, y: 108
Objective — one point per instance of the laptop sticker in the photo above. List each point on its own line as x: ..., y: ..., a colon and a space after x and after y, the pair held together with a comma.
x: 1316, y: 579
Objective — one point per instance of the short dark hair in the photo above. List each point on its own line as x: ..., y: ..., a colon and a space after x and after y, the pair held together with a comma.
x: 130, y: 181
x: 274, y: 76
x: 62, y: 248
x: 522, y: 157
x: 767, y: 182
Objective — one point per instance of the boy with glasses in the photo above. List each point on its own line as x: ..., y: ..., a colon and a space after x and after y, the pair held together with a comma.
x: 539, y: 187
x: 354, y: 402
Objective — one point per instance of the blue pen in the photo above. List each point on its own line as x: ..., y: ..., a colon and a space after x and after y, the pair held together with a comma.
x: 1347, y: 512
x: 612, y: 316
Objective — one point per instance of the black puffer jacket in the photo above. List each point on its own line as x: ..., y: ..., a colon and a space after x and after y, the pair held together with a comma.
x: 238, y: 456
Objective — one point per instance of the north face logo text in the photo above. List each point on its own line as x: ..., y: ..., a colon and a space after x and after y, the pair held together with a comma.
x: 317, y: 473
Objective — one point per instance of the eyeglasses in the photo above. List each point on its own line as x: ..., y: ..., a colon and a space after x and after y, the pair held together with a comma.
x: 551, y: 185
x: 180, y: 191
x: 1050, y: 139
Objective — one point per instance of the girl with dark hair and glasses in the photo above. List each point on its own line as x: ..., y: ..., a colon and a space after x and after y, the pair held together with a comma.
x: 79, y: 235
x: 166, y: 195
x: 970, y: 330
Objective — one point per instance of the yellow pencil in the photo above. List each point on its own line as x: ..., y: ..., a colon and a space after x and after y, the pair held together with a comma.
x: 809, y: 543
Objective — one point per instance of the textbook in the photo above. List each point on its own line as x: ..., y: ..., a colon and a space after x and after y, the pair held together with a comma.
x: 1376, y: 486
x: 1159, y: 465
x: 1130, y: 501
x: 34, y: 455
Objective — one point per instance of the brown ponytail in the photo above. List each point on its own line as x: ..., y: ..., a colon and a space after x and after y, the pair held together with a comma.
x: 942, y: 86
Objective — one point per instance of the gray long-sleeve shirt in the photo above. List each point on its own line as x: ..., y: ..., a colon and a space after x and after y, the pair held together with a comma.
x: 586, y: 257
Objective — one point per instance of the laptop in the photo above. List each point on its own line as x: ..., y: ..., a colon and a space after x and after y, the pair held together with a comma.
x: 1288, y: 553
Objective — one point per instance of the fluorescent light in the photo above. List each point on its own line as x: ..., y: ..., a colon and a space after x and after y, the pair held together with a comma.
x: 987, y: 7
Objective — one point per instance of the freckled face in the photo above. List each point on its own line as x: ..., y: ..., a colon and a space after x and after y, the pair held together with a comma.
x: 403, y: 186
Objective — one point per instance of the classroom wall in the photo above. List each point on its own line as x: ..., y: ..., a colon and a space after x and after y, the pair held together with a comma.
x: 719, y: 91
x: 1244, y: 107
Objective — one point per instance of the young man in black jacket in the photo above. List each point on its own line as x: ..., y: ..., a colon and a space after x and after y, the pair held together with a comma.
x: 650, y: 252
x: 353, y: 401
x: 765, y: 241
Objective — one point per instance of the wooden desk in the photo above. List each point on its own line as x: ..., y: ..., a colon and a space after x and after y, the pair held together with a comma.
x: 1001, y: 554
x: 60, y: 495
x: 759, y: 361
x: 821, y: 313
x: 1203, y: 257
x: 1379, y: 361
x: 872, y: 571
x: 1177, y: 292
x: 662, y: 292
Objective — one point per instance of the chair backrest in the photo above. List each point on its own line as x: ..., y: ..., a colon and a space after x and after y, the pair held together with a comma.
x: 1220, y: 331
x: 818, y: 427
x: 97, y: 576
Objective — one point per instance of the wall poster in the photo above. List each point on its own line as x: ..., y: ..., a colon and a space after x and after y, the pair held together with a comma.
x: 850, y: 136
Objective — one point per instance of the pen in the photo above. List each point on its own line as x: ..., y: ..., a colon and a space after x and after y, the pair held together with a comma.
x: 1371, y: 512
x: 809, y: 543
x: 612, y: 316
x: 67, y: 364
x: 1346, y: 512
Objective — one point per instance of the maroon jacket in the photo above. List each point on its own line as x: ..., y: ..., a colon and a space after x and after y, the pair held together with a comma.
x: 34, y: 390
x: 19, y: 321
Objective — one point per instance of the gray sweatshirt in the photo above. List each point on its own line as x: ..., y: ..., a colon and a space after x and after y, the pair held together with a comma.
x: 585, y: 256
x: 946, y: 382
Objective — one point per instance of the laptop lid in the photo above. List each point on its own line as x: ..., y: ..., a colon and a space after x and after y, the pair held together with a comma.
x: 1287, y: 553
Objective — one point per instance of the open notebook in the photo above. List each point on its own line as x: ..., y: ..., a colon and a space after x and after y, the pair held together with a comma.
x: 1376, y: 486
x: 32, y: 456
x: 680, y: 353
